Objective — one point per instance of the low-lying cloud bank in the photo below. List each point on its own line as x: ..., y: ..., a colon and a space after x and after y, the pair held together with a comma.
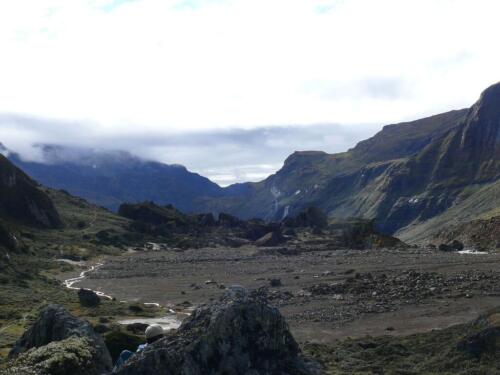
x: 226, y: 157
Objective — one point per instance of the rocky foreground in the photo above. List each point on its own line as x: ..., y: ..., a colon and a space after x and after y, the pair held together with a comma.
x: 238, y: 334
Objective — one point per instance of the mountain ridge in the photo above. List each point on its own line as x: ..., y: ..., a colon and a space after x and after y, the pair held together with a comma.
x: 109, y: 178
x: 407, y: 172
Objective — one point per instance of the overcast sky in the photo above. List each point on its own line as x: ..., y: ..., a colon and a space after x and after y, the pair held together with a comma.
x: 229, y: 88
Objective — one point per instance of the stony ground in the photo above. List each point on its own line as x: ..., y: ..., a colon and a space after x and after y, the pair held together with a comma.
x: 325, y: 295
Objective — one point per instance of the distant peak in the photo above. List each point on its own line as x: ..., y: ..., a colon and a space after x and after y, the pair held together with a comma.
x: 491, y: 94
x: 488, y: 105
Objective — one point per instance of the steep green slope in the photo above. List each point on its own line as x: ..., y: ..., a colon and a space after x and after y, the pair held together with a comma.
x: 475, y: 202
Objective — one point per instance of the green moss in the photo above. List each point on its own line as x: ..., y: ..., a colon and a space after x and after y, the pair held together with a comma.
x: 71, y: 356
x: 435, y: 352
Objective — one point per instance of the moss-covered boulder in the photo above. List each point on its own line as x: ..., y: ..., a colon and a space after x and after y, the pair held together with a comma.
x: 75, y: 356
x: 54, y: 324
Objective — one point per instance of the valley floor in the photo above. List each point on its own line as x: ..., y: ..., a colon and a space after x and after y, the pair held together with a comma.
x: 325, y: 295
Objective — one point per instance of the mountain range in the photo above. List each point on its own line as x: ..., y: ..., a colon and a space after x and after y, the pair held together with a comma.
x: 411, y: 177
x: 110, y: 178
x: 404, y: 176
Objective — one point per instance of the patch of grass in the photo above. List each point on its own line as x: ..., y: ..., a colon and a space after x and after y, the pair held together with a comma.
x: 435, y: 352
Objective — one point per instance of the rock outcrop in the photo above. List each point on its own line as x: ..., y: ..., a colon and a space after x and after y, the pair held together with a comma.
x: 239, y: 334
x: 22, y: 199
x: 7, y: 239
x: 57, y: 331
x: 311, y: 217
x: 88, y: 298
x: 482, y: 234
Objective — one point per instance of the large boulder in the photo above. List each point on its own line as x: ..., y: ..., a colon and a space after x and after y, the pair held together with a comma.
x: 206, y: 220
x: 88, y: 298
x: 7, y: 239
x: 56, y: 324
x: 311, y: 217
x: 228, y: 221
x: 238, y: 335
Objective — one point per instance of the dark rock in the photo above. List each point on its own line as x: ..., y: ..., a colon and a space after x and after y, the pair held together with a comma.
x: 257, y: 229
x: 239, y: 334
x: 206, y: 220
x: 7, y: 239
x: 22, y: 199
x: 55, y: 324
x: 88, y: 298
x: 311, y: 217
x: 456, y: 245
x: 101, y: 328
x: 137, y: 328
x: 136, y: 308
x: 317, y: 231
x: 289, y: 232
x: 275, y: 283
x: 484, y: 342
x: 117, y: 341
x: 157, y: 220
x: 445, y: 247
x: 228, y: 221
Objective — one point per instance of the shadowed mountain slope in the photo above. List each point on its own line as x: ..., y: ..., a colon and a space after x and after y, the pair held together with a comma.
x: 405, y: 174
x: 22, y: 200
x: 109, y: 178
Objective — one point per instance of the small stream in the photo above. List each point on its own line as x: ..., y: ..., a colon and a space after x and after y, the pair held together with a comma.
x: 68, y: 283
x: 171, y: 321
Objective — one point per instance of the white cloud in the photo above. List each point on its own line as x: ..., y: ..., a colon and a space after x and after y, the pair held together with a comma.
x: 169, y: 64
x: 131, y: 68
x: 225, y: 156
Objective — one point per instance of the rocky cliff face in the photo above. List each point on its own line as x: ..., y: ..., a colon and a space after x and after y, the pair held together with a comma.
x: 22, y: 199
x: 239, y: 334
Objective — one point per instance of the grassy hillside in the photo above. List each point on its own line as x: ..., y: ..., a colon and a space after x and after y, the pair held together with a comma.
x: 462, y: 349
x: 475, y: 202
x: 26, y: 272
